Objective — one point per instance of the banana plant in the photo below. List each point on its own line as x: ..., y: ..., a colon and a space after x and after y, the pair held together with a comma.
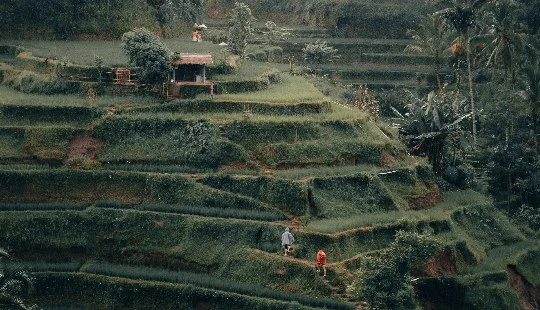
x: 431, y: 122
x: 14, y: 282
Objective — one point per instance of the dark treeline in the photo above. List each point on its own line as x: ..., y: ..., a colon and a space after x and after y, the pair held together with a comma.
x: 479, y: 126
x: 95, y: 19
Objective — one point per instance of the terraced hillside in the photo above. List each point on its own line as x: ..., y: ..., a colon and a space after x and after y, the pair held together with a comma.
x: 129, y: 202
x: 378, y: 62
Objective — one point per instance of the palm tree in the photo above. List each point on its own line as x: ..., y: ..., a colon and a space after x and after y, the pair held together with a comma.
x: 501, y: 40
x: 461, y: 16
x: 531, y: 92
x: 14, y: 281
x: 431, y: 39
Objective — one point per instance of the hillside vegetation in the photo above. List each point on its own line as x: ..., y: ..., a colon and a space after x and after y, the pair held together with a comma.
x: 131, y: 201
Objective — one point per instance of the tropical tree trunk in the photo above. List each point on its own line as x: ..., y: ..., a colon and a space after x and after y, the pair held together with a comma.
x: 471, y: 95
x: 438, y: 70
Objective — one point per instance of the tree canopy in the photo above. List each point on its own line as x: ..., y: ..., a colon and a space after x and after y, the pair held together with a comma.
x: 149, y: 54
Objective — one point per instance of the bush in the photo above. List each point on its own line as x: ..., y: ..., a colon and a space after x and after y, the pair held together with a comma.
x: 216, y: 36
x: 214, y: 106
x: 49, y: 113
x: 528, y: 215
x: 47, y: 143
x: 319, y: 53
x: 383, y: 279
x: 29, y: 82
x: 486, y: 224
x: 484, y: 291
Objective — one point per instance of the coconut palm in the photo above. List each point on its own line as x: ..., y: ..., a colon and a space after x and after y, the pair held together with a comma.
x: 432, y: 38
x: 501, y: 39
x: 461, y: 15
x: 14, y: 282
x: 531, y: 91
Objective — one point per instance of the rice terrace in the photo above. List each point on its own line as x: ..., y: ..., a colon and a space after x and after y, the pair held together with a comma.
x: 332, y: 154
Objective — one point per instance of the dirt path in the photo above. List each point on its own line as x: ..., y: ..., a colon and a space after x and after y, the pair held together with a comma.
x: 295, y: 223
x: 84, y: 145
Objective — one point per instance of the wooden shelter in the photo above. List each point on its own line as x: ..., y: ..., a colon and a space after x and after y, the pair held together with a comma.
x: 189, y: 70
x: 124, y: 76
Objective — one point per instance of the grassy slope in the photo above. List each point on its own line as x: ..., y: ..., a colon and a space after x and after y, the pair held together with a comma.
x: 167, y: 240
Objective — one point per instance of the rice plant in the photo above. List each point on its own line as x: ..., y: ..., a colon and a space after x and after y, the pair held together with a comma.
x: 203, y: 280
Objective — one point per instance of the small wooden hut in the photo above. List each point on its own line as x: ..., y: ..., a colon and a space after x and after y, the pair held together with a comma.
x: 188, y: 70
x: 124, y: 76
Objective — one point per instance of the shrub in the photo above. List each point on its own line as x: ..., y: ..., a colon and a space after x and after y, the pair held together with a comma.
x: 486, y: 224
x: 483, y: 291
x: 41, y: 206
x: 29, y: 82
x: 49, y: 113
x: 48, y: 144
x: 216, y: 36
x: 171, y: 141
x: 383, y: 279
x: 319, y: 53
x: 214, y: 106
x: 83, y: 162
x: 529, y: 216
x: 266, y: 54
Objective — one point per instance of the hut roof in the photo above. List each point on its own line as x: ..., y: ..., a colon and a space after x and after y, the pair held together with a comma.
x: 194, y: 59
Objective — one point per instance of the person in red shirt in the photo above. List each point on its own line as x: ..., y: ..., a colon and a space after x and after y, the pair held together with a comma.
x: 321, y: 262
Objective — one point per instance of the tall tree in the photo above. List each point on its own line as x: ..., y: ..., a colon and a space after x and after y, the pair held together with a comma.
x: 241, y: 28
x: 173, y: 11
x: 502, y: 38
x: 531, y: 92
x: 461, y: 16
x: 430, y: 123
x: 432, y: 39
x: 147, y: 52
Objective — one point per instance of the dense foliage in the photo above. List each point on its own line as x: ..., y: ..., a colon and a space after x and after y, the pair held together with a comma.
x: 15, y: 283
x: 319, y: 53
x: 146, y: 51
x: 498, y: 36
x: 66, y: 19
x: 384, y: 278
x: 241, y: 28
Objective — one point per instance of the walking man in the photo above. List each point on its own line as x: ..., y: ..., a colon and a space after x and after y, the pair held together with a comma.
x: 287, y: 240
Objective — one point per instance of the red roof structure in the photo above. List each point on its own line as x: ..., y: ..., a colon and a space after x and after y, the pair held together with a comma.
x: 193, y: 59
x: 189, y: 70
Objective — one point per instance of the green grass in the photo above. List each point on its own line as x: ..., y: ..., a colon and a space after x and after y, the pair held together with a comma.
x: 208, y: 281
x: 528, y: 265
x: 9, y: 96
x: 84, y: 52
x: 12, y: 145
x: 443, y: 210
x: 292, y: 89
x: 309, y: 173
x: 498, y: 258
